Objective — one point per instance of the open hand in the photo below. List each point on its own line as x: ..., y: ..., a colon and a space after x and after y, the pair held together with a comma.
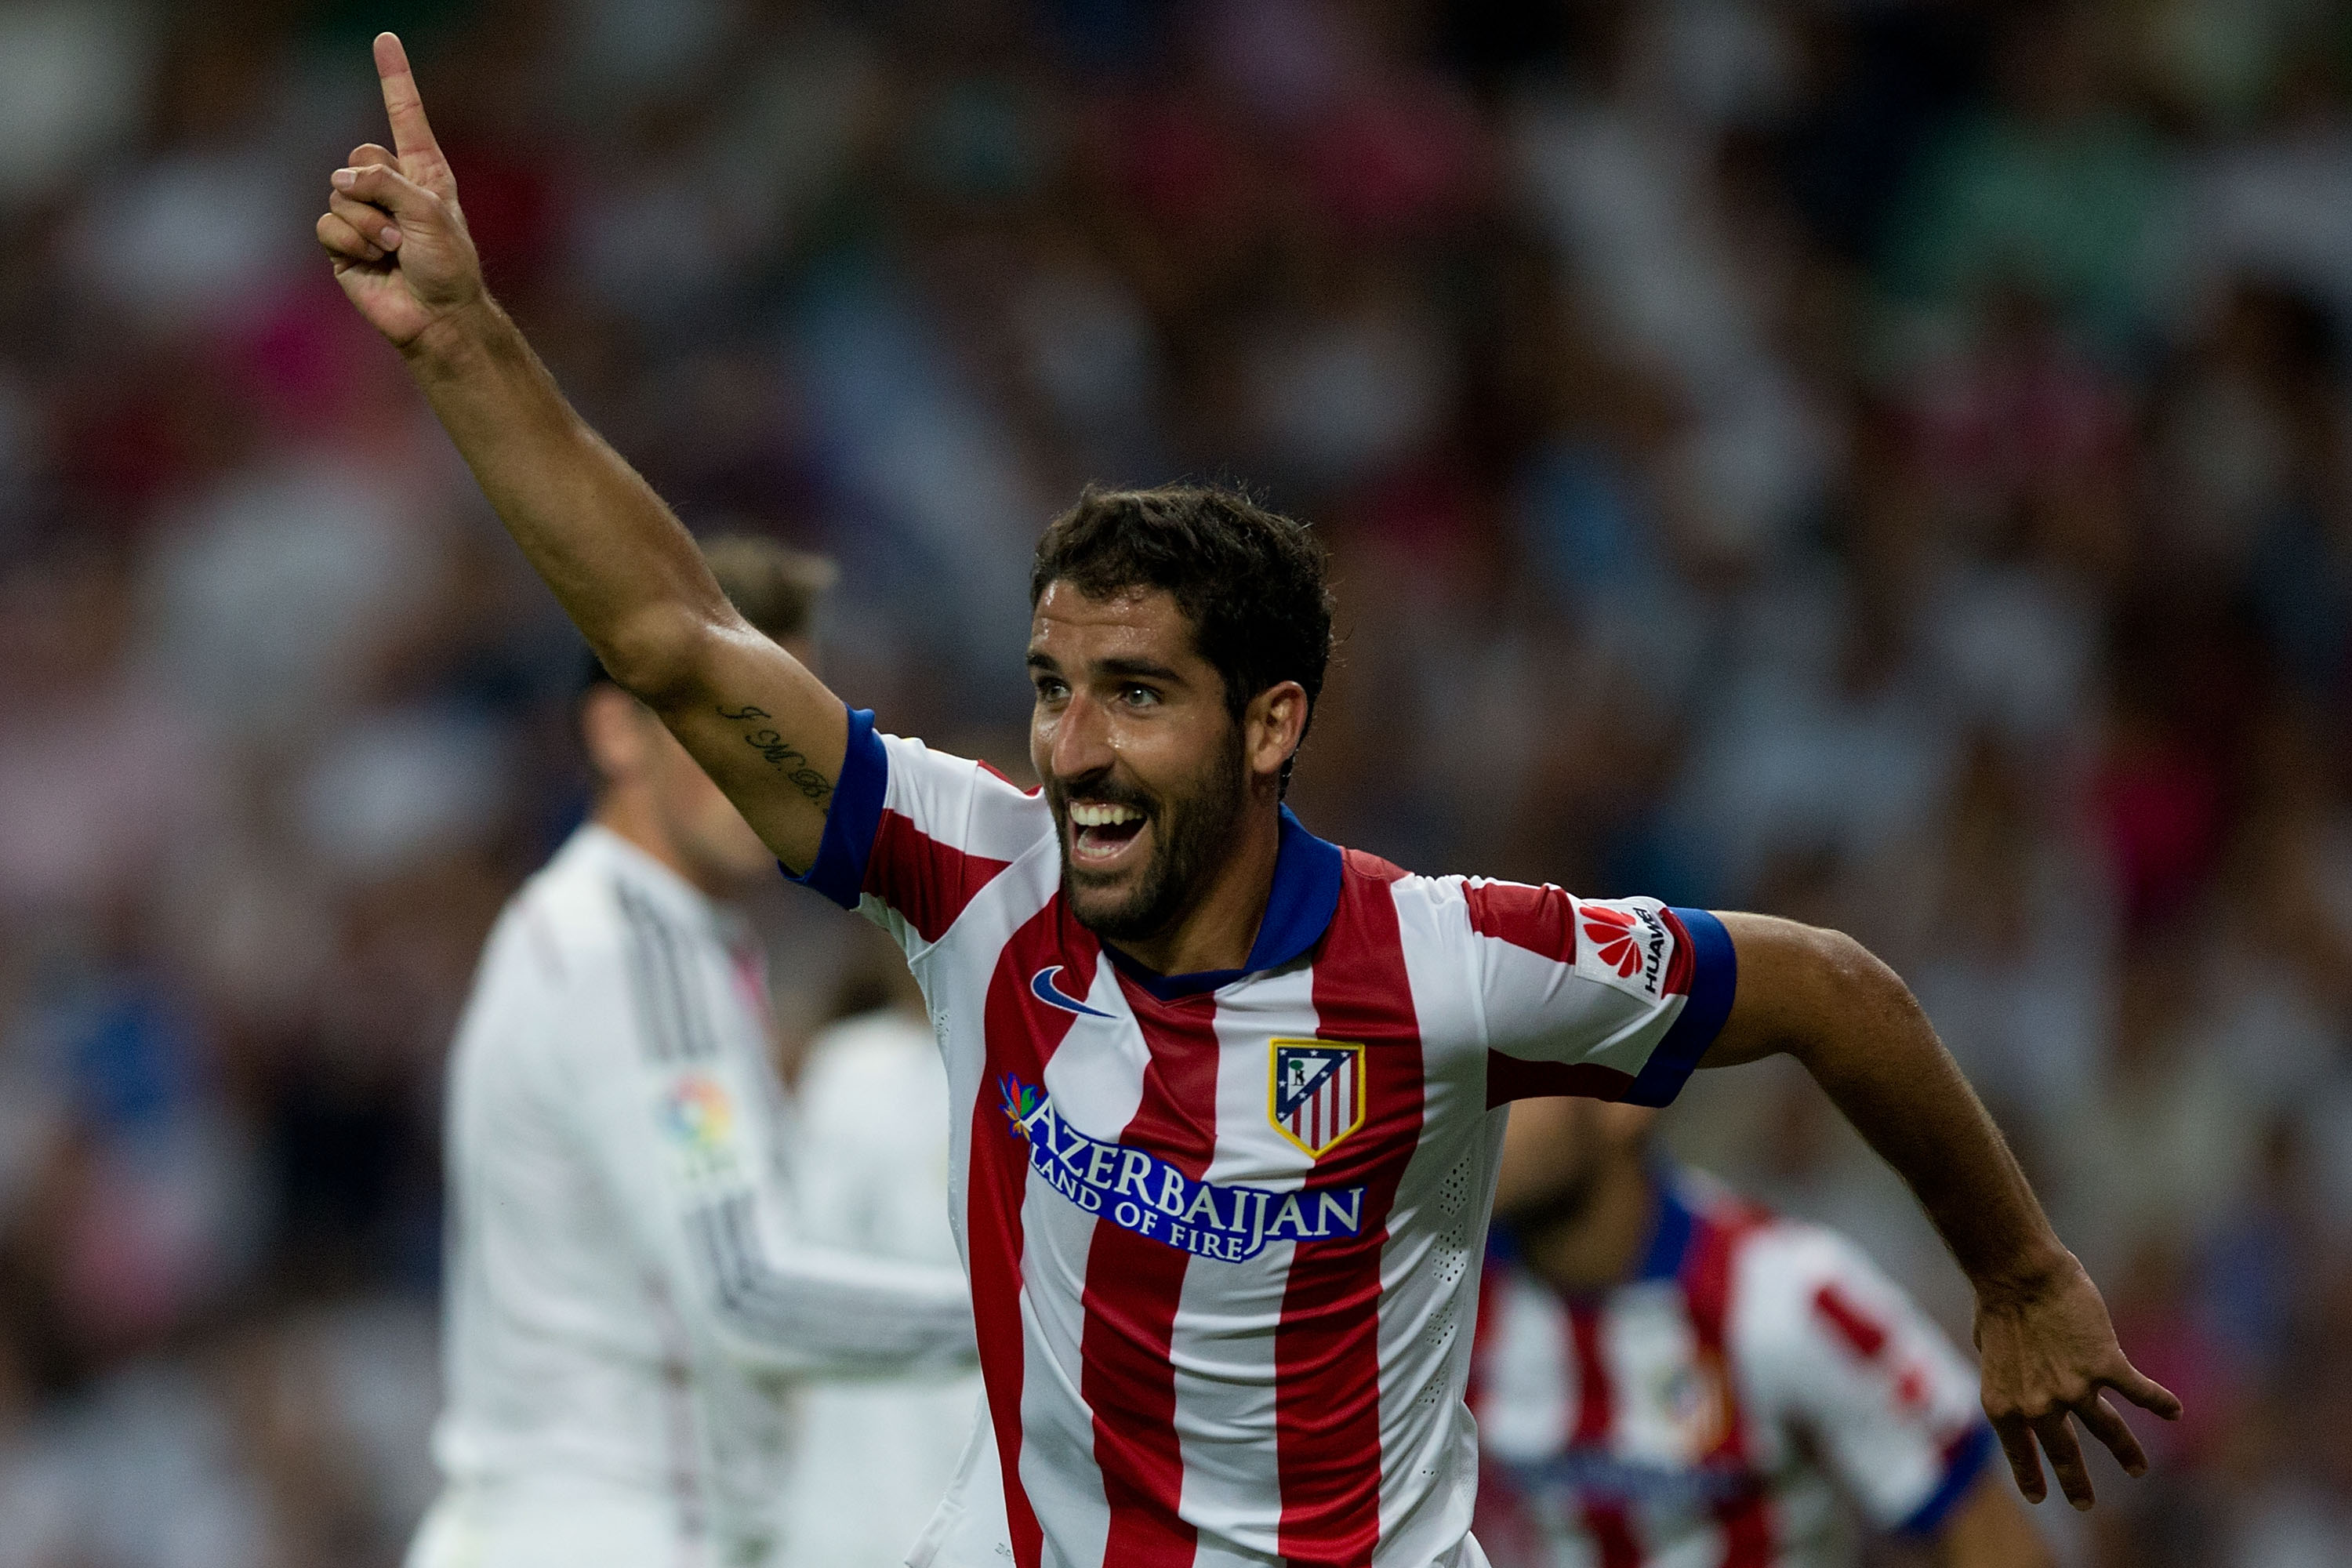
x: 391, y: 223
x: 2048, y: 1350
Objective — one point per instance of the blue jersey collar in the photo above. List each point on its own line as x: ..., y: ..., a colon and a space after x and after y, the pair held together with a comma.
x: 1299, y: 910
x: 1672, y: 1225
x: 1670, y: 1231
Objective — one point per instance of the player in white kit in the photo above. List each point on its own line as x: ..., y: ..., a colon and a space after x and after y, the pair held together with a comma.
x: 629, y: 1288
x: 872, y: 1457
x: 1226, y: 1098
x: 1669, y: 1377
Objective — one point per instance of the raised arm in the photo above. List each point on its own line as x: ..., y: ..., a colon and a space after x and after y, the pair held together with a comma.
x: 625, y: 569
x: 2041, y: 1329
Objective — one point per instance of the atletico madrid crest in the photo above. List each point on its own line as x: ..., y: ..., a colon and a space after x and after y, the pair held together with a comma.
x: 1317, y: 1094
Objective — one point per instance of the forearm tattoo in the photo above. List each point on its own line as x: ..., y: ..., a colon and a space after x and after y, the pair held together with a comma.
x: 781, y: 753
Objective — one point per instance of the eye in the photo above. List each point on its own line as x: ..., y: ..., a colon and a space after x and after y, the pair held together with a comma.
x: 1136, y: 696
x: 1051, y: 688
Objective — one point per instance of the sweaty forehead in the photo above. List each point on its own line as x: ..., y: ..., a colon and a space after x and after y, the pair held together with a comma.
x: 1074, y: 627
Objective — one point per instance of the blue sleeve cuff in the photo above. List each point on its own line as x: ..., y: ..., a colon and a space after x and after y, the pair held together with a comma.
x: 1714, y: 977
x: 854, y: 817
x: 1962, y: 1466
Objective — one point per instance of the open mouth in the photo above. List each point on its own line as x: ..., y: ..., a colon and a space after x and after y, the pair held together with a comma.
x: 1102, y: 832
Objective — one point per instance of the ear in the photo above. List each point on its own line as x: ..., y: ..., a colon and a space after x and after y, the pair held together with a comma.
x: 1273, y: 725
x: 612, y: 725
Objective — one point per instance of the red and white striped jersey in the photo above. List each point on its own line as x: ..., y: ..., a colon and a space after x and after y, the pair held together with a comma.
x: 1703, y: 1414
x: 1223, y: 1230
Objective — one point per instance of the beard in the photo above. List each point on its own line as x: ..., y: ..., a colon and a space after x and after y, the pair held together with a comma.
x: 1189, y: 832
x: 1565, y: 1206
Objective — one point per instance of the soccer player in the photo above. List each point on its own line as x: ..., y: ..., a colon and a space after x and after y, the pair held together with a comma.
x: 624, y: 1292
x: 1666, y: 1374
x: 1222, y: 1092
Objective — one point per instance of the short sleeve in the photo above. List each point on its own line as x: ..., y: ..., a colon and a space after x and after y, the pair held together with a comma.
x: 1845, y: 1360
x: 1613, y: 998
x: 913, y: 834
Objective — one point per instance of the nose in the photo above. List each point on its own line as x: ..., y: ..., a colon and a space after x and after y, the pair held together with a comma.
x: 1080, y: 742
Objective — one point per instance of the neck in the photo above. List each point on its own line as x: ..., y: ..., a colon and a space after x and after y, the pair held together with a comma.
x: 628, y: 813
x: 1219, y: 929
x: 1596, y: 1249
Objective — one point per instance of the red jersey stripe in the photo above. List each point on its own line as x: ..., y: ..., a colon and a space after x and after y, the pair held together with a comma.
x: 1133, y: 1286
x: 1865, y: 1334
x: 1022, y: 1034
x: 1541, y: 920
x: 1596, y: 1411
x: 1327, y: 1349
x: 1596, y: 1401
x: 927, y: 881
x: 1716, y: 1234
x: 1677, y: 980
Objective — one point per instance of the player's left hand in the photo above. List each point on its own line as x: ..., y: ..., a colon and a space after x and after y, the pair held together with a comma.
x: 2048, y: 1350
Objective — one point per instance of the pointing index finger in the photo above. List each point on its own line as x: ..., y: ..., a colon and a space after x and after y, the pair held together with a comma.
x: 411, y: 135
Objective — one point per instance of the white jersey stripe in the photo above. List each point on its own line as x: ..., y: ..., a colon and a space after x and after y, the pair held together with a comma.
x: 1095, y: 1078
x: 1223, y: 1341
x: 1437, y: 1236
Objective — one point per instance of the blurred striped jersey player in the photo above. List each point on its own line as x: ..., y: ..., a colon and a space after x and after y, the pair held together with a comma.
x: 1667, y: 1377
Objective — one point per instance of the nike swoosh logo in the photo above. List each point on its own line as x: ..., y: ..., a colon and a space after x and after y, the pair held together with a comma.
x: 1042, y: 986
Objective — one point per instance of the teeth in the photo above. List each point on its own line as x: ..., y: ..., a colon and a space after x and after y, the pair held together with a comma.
x: 1103, y: 816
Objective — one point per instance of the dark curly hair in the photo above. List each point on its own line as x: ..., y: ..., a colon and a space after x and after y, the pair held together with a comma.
x: 1251, y: 581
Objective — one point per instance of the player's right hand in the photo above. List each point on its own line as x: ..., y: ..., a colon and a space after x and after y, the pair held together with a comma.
x: 391, y: 225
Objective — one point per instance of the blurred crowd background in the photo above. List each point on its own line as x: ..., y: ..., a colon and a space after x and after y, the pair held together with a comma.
x: 1888, y: 464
